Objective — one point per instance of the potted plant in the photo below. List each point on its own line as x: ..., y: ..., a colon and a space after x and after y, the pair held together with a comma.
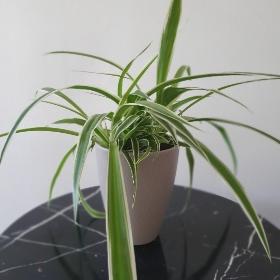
x: 137, y: 145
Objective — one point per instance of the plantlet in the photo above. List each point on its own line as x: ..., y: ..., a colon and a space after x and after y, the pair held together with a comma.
x: 143, y: 122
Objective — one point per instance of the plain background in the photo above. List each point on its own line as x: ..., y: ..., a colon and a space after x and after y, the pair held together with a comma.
x: 214, y: 36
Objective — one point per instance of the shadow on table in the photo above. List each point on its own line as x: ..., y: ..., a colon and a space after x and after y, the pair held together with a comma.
x: 212, y: 257
x: 150, y: 261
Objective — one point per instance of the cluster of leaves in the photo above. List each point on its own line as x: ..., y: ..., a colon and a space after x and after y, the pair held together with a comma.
x: 144, y: 122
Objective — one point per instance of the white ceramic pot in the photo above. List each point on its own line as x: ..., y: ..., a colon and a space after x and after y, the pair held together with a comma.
x: 155, y: 176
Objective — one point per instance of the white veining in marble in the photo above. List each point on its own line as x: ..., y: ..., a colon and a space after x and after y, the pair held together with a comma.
x: 41, y: 223
x: 239, y: 253
x: 216, y: 274
x: 247, y: 251
x: 251, y: 239
x: 242, y: 253
x: 74, y: 222
x: 238, y: 277
x: 233, y: 256
x: 250, y: 255
x: 74, y: 251
x: 24, y: 240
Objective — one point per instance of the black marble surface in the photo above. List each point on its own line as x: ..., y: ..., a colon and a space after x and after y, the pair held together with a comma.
x: 212, y: 240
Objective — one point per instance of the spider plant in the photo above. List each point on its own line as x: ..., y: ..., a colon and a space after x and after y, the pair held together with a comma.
x: 143, y: 121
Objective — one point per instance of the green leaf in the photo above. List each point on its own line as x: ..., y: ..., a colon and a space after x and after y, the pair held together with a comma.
x: 160, y: 109
x: 190, y: 160
x: 248, y: 82
x: 135, y: 149
x: 237, y: 124
x: 174, y: 120
x: 81, y: 153
x: 19, y: 119
x: 91, y: 211
x: 126, y: 69
x: 68, y: 100
x: 101, y: 137
x: 168, y: 40
x: 211, y: 92
x: 73, y: 103
x: 133, y: 84
x: 238, y: 190
x: 120, y: 83
x: 103, y: 92
x: 43, y: 129
x: 139, y: 93
x: 182, y: 102
x: 132, y: 165
x: 101, y: 73
x: 122, y: 126
x: 165, y: 125
x: 227, y: 140
x: 59, y: 169
x: 165, y: 84
x: 155, y: 142
x: 170, y: 117
x: 105, y: 60
x: 64, y: 107
x: 133, y: 130
x: 165, y: 113
x: 170, y: 94
x: 88, y: 55
x: 121, y: 259
x: 144, y: 154
x: 77, y: 121
x: 134, y: 96
x: 182, y: 70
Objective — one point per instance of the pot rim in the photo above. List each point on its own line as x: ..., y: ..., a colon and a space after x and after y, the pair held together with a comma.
x: 175, y: 147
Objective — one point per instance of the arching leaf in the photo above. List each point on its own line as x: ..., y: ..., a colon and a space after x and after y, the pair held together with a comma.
x: 81, y: 153
x: 121, y: 259
x: 59, y: 169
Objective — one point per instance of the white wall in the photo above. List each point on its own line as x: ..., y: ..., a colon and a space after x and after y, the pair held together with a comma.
x: 214, y: 35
